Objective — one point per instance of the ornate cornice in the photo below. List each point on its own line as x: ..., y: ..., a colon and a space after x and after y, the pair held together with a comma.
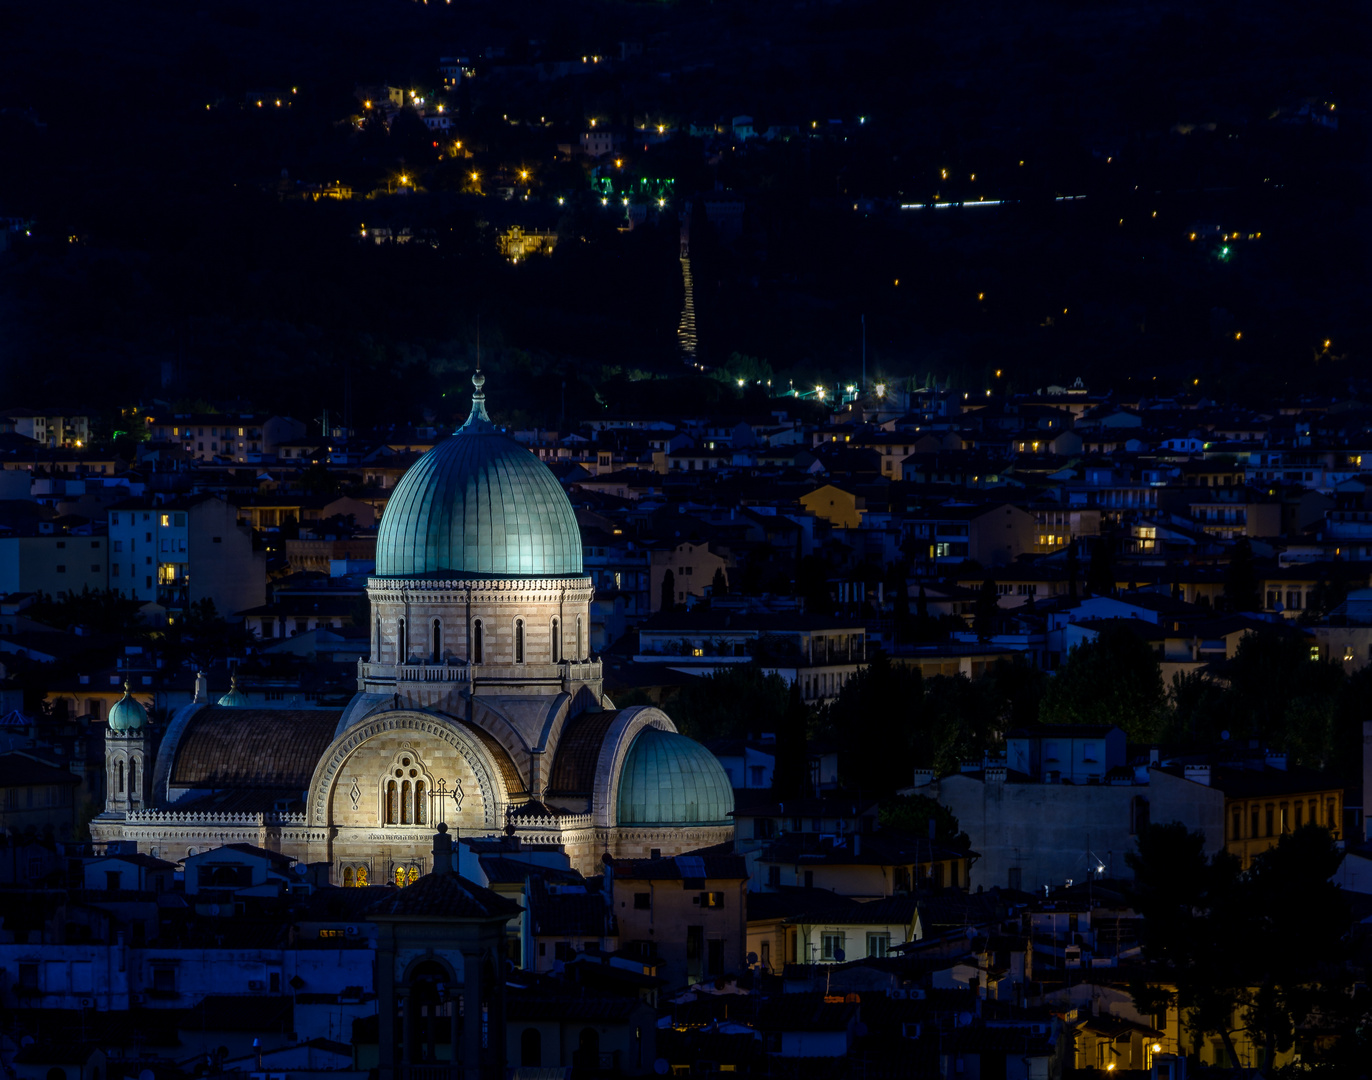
x: 480, y: 590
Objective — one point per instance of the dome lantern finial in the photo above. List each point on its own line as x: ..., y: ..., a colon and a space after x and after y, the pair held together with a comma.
x: 478, y: 421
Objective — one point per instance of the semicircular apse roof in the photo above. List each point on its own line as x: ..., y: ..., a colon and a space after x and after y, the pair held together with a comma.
x: 668, y: 779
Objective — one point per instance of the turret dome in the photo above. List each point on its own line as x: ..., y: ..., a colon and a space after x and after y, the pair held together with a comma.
x: 478, y: 505
x: 127, y: 714
x: 235, y: 698
x: 668, y: 779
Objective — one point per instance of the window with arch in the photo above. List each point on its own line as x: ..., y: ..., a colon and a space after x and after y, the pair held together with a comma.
x: 437, y: 652
x: 580, y: 651
x: 531, y: 1049
x: 376, y: 641
x: 519, y: 641
x: 356, y: 875
x: 557, y: 640
x: 406, y: 875
x: 478, y: 642
x: 119, y: 767
x: 133, y: 777
x: 405, y: 791
x: 401, y: 653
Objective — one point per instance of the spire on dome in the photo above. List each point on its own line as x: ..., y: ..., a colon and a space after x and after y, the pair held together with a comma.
x: 478, y: 422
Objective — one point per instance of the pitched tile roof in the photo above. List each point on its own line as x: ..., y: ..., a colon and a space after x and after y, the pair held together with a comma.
x: 253, y: 748
x: 444, y: 896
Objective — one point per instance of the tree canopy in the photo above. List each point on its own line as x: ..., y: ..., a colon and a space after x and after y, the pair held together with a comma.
x: 1113, y: 679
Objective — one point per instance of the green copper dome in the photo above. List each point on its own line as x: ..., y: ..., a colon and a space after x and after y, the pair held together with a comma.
x: 235, y: 698
x: 669, y: 779
x: 478, y: 505
x: 126, y: 714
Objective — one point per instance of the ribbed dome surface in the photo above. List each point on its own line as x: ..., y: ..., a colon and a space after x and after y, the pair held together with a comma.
x: 478, y: 505
x: 669, y: 779
x: 127, y: 714
x: 235, y: 698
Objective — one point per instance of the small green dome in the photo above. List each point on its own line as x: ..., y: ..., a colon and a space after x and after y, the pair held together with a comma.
x: 478, y: 505
x: 126, y: 714
x: 235, y: 698
x: 669, y: 779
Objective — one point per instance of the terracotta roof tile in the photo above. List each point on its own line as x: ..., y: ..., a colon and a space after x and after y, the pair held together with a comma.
x: 253, y: 748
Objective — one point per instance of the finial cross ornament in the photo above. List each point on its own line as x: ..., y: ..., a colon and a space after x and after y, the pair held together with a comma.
x: 442, y: 792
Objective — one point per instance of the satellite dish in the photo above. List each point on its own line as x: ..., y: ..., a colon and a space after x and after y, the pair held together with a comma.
x: 752, y: 959
x: 662, y: 1066
x: 840, y: 955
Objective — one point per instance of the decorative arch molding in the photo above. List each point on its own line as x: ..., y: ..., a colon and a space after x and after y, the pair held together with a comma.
x: 160, y: 790
x: 506, y: 730
x: 444, y: 960
x: 477, y: 757
x: 613, y: 751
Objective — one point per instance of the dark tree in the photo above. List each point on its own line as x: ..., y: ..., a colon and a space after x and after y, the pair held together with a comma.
x: 913, y: 813
x: 667, y: 597
x: 900, y: 607
x: 719, y: 585
x: 1196, y: 930
x: 1299, y: 945
x: 1282, y: 695
x: 791, y: 774
x: 876, y: 718
x: 1100, y: 575
x: 1114, y: 679
x: 731, y: 704
x: 1073, y: 569
x: 984, y: 615
x: 1241, y: 578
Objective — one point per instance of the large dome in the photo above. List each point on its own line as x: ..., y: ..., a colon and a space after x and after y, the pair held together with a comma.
x: 669, y: 779
x: 478, y: 505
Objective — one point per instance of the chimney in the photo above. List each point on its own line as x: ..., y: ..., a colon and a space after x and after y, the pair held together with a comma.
x: 202, y: 688
x: 1197, y: 774
x: 443, y: 850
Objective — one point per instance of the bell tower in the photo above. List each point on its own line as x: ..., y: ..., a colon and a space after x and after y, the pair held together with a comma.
x: 128, y: 751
